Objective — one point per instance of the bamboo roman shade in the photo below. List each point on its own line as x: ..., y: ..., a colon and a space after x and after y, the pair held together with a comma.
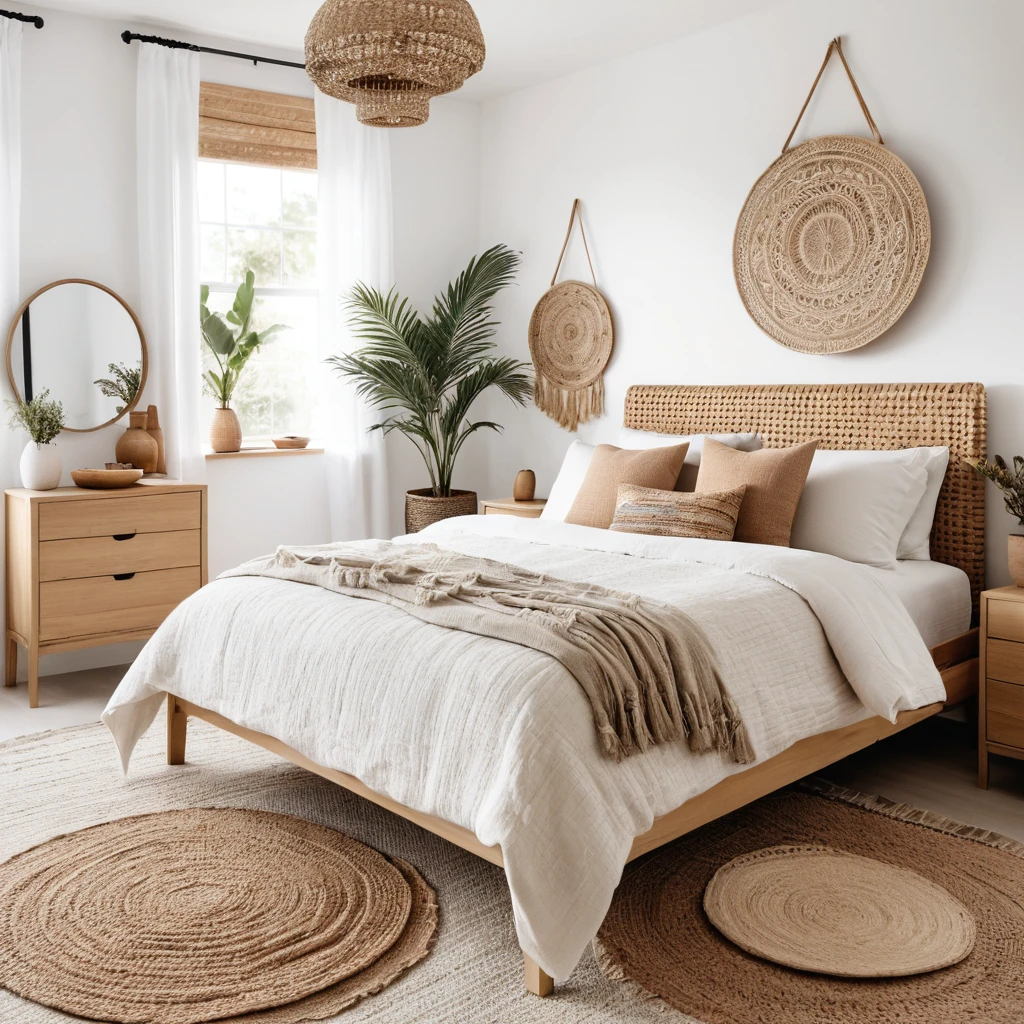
x: 256, y: 127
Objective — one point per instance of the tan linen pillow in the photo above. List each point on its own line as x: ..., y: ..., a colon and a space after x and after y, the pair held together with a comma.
x: 774, y: 478
x: 610, y: 467
x: 708, y: 516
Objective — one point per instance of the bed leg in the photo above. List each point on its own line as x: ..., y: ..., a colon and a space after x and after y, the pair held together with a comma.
x: 537, y: 982
x: 177, y: 729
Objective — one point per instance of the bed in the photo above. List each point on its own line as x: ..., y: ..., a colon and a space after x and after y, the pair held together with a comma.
x: 498, y: 759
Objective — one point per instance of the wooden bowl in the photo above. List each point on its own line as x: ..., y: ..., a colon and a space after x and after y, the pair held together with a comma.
x: 105, y: 479
x: 290, y: 441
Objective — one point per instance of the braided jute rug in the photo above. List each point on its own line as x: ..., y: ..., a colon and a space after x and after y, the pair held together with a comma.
x: 658, y: 939
x: 201, y: 914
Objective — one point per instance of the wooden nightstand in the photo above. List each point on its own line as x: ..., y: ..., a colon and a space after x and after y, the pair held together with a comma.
x: 511, y: 507
x: 1001, y: 677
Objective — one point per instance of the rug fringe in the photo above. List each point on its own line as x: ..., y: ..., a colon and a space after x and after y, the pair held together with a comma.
x: 913, y: 815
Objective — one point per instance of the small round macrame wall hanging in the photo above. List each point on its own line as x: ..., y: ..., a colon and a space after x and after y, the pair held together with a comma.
x: 571, y: 339
x: 832, y: 242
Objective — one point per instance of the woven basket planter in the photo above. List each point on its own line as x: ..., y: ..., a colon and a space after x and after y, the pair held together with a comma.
x: 422, y: 508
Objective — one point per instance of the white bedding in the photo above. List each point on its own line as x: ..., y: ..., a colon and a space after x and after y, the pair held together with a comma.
x: 499, y: 738
x: 937, y: 597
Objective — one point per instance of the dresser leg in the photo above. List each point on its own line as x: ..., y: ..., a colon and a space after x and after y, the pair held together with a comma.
x: 537, y: 982
x: 11, y: 664
x: 33, y: 675
x: 177, y: 731
x: 982, y: 767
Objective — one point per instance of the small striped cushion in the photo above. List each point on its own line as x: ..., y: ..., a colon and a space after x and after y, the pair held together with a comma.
x: 708, y: 515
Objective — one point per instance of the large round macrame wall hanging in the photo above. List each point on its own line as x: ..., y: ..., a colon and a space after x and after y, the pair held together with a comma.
x: 571, y: 340
x: 832, y: 242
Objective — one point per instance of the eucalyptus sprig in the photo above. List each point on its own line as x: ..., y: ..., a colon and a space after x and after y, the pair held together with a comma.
x: 1009, y: 481
x: 42, y: 418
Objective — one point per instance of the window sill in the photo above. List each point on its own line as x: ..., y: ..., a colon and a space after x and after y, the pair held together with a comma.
x: 258, y: 452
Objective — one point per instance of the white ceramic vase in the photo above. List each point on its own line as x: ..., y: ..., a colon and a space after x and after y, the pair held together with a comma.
x: 40, y: 466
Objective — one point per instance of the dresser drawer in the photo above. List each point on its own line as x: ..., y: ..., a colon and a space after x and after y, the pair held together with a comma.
x: 108, y: 517
x: 1005, y: 620
x: 1005, y: 729
x: 102, y: 604
x: 1005, y: 660
x: 104, y: 556
x: 1005, y: 698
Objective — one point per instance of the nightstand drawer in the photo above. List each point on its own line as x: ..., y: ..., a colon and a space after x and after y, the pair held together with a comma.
x: 1005, y: 660
x: 1006, y: 698
x: 103, y: 604
x: 1005, y: 729
x: 155, y: 513
x: 104, y: 556
x: 1005, y: 620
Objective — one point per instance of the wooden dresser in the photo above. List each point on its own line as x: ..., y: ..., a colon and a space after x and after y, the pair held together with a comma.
x: 86, y: 568
x: 1001, y: 682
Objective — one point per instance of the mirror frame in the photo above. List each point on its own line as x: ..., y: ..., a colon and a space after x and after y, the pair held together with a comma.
x: 135, y: 320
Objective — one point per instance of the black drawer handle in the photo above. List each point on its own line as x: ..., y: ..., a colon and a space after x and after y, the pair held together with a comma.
x: 123, y: 575
x: 125, y: 536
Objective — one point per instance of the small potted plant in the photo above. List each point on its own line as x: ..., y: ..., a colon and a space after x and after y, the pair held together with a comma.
x: 431, y: 370
x: 43, y: 419
x: 232, y: 343
x: 123, y: 383
x: 1011, y: 483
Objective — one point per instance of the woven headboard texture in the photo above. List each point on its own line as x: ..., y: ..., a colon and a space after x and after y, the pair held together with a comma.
x: 849, y: 416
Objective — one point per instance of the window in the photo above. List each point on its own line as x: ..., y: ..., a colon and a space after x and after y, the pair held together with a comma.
x: 263, y: 218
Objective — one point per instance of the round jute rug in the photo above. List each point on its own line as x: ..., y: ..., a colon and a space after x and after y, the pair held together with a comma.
x: 195, y: 915
x: 835, y: 913
x: 658, y: 939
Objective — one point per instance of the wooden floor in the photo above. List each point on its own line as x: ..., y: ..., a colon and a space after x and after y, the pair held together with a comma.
x: 931, y: 765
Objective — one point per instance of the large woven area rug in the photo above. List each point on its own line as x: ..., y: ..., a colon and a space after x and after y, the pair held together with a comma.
x: 657, y: 938
x: 59, y: 782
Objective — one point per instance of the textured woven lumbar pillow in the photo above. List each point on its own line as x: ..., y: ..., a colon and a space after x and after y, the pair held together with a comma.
x: 610, y: 467
x: 774, y: 478
x: 709, y: 516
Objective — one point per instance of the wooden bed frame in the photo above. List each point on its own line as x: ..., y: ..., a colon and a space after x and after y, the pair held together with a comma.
x: 843, y: 417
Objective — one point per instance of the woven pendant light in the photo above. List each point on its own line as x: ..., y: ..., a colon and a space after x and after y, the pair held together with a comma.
x: 389, y: 57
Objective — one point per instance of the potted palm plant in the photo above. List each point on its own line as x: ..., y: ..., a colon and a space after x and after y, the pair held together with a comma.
x: 428, y: 371
x: 232, y: 342
x: 1011, y: 482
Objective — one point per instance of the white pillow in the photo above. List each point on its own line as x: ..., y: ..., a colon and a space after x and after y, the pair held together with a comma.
x: 857, y: 504
x: 915, y: 544
x: 569, y: 480
x: 639, y: 439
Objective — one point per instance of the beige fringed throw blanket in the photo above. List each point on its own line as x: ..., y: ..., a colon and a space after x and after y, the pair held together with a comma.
x: 647, y: 669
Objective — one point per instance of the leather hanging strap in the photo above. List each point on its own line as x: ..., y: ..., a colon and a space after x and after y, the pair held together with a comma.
x: 838, y: 47
x: 586, y: 248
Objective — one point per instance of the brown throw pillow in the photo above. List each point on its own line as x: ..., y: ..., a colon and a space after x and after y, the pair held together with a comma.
x: 709, y: 516
x: 611, y: 466
x: 775, y: 479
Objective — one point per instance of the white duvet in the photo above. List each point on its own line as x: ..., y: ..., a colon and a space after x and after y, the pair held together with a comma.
x: 499, y: 738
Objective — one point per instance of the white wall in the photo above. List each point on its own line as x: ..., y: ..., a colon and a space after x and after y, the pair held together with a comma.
x: 79, y: 220
x: 663, y: 147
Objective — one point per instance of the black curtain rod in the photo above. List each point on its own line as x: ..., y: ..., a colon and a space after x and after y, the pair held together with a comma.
x: 31, y: 19
x: 177, y: 44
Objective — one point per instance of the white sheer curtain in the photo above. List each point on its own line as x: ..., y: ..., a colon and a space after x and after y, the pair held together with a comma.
x: 354, y: 232
x: 167, y: 124
x: 10, y: 224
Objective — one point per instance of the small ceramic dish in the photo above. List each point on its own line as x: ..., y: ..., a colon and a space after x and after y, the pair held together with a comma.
x: 105, y: 479
x: 290, y: 441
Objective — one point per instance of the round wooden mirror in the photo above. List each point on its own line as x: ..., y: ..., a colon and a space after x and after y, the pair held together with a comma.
x: 85, y: 344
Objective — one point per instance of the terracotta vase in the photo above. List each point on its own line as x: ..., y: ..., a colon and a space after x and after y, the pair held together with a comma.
x: 136, y: 446
x: 525, y: 486
x: 1016, y: 558
x: 154, y: 431
x: 225, y: 431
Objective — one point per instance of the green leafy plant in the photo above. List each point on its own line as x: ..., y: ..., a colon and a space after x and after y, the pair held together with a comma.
x: 434, y: 368
x: 230, y: 338
x: 123, y: 383
x: 42, y: 418
x: 1009, y: 481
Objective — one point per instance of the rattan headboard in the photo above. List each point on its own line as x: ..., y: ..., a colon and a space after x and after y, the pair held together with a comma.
x: 847, y: 416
